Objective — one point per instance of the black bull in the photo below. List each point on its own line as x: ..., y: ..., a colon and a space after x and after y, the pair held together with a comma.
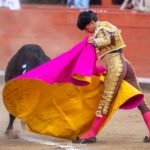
x: 26, y: 58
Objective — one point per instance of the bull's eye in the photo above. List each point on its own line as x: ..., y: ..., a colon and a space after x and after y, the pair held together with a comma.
x: 24, y: 66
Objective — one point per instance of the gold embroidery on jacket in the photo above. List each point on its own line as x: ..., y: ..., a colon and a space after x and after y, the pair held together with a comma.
x: 107, y: 38
x: 114, y: 69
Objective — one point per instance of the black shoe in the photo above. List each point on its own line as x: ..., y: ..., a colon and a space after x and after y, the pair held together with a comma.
x: 84, y: 141
x: 146, y: 139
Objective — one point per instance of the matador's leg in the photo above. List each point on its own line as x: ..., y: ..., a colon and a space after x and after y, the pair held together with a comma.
x: 145, y: 110
x: 131, y: 78
x: 116, y: 71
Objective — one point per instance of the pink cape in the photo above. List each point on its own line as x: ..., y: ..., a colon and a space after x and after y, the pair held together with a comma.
x: 80, y: 60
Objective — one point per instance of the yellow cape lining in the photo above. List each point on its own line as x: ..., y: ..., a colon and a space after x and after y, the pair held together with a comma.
x: 62, y: 110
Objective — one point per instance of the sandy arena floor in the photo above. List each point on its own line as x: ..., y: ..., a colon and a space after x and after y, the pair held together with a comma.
x: 125, y: 131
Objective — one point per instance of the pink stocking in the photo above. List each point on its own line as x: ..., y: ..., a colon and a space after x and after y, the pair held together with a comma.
x: 95, y: 127
x: 146, y: 117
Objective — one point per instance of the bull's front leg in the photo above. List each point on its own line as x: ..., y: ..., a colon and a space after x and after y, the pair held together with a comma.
x: 10, y: 133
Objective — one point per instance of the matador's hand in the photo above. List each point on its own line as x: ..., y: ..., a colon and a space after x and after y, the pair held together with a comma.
x: 90, y: 40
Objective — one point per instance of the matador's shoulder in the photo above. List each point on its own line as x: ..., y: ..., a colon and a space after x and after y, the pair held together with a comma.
x: 108, y: 26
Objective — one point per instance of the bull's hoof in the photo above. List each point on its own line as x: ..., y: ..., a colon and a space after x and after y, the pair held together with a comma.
x: 146, y: 139
x: 11, y: 134
x: 85, y: 141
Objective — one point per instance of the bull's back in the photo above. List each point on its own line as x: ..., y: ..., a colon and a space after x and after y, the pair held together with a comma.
x: 32, y: 59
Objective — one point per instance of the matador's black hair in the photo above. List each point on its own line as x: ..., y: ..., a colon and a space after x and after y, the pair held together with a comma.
x: 85, y: 18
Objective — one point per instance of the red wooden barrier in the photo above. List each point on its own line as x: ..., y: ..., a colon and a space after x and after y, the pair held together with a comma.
x: 107, y: 3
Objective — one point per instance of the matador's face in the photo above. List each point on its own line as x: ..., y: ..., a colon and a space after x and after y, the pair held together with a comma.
x: 90, y: 28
